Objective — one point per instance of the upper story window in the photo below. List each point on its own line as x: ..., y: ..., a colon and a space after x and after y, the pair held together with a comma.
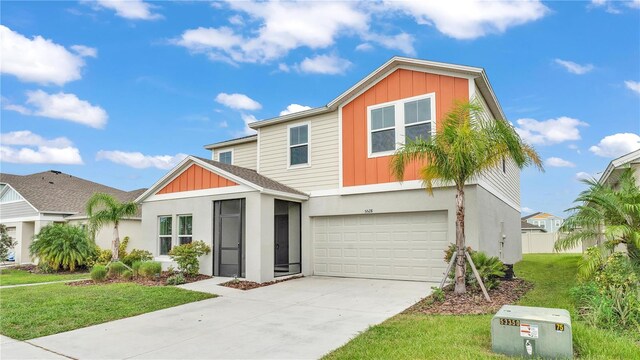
x: 165, y: 234
x: 298, y: 145
x: 185, y: 229
x: 390, y: 124
x: 226, y: 157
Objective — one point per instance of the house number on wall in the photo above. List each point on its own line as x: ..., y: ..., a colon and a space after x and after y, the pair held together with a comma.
x: 368, y: 211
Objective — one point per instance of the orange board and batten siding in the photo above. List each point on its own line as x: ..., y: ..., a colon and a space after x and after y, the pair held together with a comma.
x: 357, y: 167
x: 195, y: 178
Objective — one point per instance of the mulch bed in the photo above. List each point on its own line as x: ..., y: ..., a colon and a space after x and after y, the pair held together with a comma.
x: 158, y: 281
x: 472, y: 302
x: 248, y: 285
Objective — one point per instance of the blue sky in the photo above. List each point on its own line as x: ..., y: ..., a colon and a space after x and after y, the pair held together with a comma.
x: 117, y: 92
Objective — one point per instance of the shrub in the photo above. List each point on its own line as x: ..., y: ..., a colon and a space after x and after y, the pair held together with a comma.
x: 116, y: 269
x: 122, y: 248
x: 103, y: 256
x: 6, y: 242
x: 149, y: 269
x: 437, y: 294
x: 490, y: 268
x: 45, y: 268
x: 137, y: 255
x: 135, y: 267
x: 63, y: 246
x: 176, y: 279
x: 127, y: 275
x: 98, y: 273
x: 187, y: 256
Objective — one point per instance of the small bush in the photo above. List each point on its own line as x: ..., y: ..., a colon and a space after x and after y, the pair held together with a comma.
x: 149, y: 269
x: 135, y: 267
x: 176, y: 279
x: 63, y: 246
x: 122, y: 248
x: 45, y: 268
x: 187, y: 256
x: 98, y: 273
x: 116, y: 269
x: 437, y: 294
x: 490, y: 268
x: 127, y: 275
x: 137, y: 255
x: 104, y: 257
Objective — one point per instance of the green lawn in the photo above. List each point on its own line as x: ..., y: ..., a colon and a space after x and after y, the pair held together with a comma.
x: 10, y: 276
x: 34, y: 311
x: 469, y: 337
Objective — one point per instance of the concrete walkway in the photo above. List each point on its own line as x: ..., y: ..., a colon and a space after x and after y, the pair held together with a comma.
x: 16, y: 349
x: 297, y: 319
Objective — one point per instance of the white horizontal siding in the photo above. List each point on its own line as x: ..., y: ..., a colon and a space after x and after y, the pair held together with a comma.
x: 506, y: 183
x: 324, y: 148
x: 245, y: 155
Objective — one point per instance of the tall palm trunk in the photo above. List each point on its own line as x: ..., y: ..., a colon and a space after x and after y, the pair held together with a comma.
x: 115, y: 245
x: 460, y: 287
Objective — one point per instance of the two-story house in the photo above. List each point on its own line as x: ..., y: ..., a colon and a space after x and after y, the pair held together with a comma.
x: 312, y: 192
x: 549, y: 222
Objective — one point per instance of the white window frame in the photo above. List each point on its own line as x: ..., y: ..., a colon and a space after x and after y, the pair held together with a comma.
x: 178, y: 235
x: 289, y: 146
x: 399, y: 121
x: 226, y: 151
x: 164, y: 236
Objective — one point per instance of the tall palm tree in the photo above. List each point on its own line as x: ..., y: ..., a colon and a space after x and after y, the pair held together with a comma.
x: 104, y: 209
x: 466, y: 144
x: 604, y: 212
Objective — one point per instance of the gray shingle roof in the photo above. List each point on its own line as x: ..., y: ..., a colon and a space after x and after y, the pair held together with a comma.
x: 54, y: 191
x: 526, y: 225
x: 253, y: 177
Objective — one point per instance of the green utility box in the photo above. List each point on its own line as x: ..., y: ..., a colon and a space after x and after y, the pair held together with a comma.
x: 532, y: 332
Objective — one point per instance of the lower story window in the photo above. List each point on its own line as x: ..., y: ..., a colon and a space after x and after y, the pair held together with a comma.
x: 164, y: 234
x: 185, y: 229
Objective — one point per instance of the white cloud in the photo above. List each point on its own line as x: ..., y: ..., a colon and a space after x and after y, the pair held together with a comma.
x: 526, y: 210
x: 609, y: 6
x: 130, y: 9
x: 558, y: 162
x: 581, y: 175
x: 63, y: 106
x: 616, y: 145
x: 470, y: 19
x: 85, y: 51
x: 294, y: 108
x: 247, y: 119
x: 324, y: 64
x: 26, y: 137
x: 17, y: 108
x: 223, y: 124
x: 364, y: 47
x: 37, y: 60
x: 18, y: 147
x: 238, y: 101
x: 236, y: 20
x: 278, y: 27
x: 574, y: 68
x: 139, y: 160
x: 551, y: 131
x: 633, y: 86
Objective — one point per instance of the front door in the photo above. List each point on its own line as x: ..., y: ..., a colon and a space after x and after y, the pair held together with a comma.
x: 282, y: 242
x: 228, y: 220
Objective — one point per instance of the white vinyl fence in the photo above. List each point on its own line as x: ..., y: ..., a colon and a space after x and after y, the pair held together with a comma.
x: 543, y: 243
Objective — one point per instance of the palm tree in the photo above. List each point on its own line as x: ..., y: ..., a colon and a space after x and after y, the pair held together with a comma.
x: 467, y: 144
x: 604, y: 212
x: 104, y: 209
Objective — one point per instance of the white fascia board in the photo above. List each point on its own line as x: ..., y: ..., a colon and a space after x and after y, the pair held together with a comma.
x: 243, y: 140
x: 616, y: 163
x: 282, y: 194
x: 23, y: 198
x: 171, y: 173
x: 199, y: 193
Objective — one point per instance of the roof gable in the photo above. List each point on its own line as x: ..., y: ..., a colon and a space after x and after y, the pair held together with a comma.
x: 195, y: 177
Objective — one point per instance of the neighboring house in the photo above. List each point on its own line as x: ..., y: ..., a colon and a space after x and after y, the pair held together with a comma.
x: 312, y: 192
x: 612, y: 173
x: 29, y: 202
x: 530, y: 228
x: 549, y: 222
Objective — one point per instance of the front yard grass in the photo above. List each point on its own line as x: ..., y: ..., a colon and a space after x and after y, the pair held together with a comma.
x: 9, y: 276
x: 34, y: 311
x: 418, y: 336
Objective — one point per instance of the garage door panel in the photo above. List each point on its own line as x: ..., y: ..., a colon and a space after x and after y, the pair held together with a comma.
x: 405, y: 246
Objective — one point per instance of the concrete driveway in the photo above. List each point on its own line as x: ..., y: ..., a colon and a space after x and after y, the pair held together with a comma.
x: 297, y: 319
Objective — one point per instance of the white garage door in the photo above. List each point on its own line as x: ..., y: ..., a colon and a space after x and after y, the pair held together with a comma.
x: 402, y: 246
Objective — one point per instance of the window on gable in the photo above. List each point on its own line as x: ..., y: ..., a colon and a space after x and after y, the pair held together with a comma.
x: 383, y: 129
x: 417, y: 119
x: 165, y: 234
x: 226, y: 157
x: 393, y: 123
x: 299, y: 145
